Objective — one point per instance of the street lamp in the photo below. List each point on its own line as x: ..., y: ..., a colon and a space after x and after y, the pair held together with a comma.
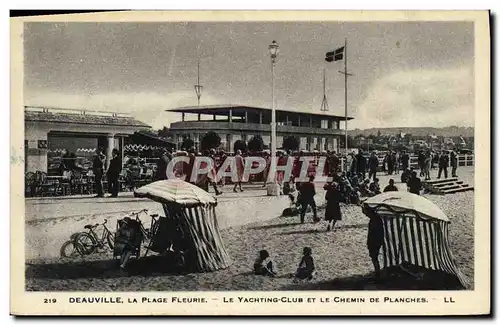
x: 273, y: 188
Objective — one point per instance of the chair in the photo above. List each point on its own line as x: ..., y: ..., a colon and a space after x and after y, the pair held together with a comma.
x: 29, y: 184
x: 46, y: 186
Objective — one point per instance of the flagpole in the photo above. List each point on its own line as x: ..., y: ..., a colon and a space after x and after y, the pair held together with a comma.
x: 345, y: 102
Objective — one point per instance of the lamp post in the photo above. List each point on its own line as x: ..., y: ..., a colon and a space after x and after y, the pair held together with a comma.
x: 273, y: 188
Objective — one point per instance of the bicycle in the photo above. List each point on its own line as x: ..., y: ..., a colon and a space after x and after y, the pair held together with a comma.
x: 72, y: 248
x: 147, y: 235
x: 90, y: 241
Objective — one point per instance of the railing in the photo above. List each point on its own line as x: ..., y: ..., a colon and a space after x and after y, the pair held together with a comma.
x: 219, y: 125
x: 72, y: 111
x: 463, y: 160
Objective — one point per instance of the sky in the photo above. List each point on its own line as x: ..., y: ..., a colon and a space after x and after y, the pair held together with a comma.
x: 405, y: 74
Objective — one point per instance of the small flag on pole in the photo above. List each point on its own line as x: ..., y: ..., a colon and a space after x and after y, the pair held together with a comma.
x: 336, y: 55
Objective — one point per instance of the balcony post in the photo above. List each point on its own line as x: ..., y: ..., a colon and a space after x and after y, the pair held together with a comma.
x: 260, y: 118
x: 183, y: 114
x: 230, y: 115
x: 246, y: 116
x: 199, y: 117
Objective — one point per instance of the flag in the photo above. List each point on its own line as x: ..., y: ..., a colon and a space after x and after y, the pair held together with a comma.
x: 336, y: 55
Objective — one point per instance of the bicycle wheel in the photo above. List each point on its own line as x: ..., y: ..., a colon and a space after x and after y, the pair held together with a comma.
x: 71, y: 249
x: 87, y: 242
x: 111, y: 241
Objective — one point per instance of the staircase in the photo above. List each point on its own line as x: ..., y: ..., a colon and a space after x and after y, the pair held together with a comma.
x: 446, y: 186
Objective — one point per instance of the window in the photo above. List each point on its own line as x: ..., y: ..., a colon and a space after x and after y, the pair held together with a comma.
x: 324, y: 124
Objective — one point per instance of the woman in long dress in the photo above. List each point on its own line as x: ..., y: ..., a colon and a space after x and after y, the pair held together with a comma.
x: 332, y: 212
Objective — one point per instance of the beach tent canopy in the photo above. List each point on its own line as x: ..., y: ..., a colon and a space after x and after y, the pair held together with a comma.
x: 415, y: 232
x: 415, y: 205
x: 193, y: 211
x: 175, y: 191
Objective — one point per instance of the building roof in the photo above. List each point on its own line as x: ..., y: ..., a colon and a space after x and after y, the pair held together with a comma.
x: 222, y: 109
x: 61, y: 115
x: 151, y: 137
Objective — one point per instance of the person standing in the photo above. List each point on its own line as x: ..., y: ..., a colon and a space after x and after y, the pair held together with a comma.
x: 390, y: 162
x: 306, y: 199
x: 240, y: 167
x: 375, y: 238
x: 361, y: 163
x: 220, y: 164
x: 332, y: 211
x: 443, y: 165
x: 453, y: 162
x: 421, y: 162
x: 189, y: 169
x: 405, y: 160
x: 334, y: 163
x: 114, y: 170
x: 427, y: 166
x: 98, y: 169
x: 397, y: 162
x: 265, y: 173
x: 373, y: 165
x: 162, y: 165
x: 212, y: 174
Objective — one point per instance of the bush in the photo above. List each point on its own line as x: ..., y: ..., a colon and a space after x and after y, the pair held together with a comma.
x: 211, y: 140
x: 256, y: 144
x: 240, y: 145
x: 291, y: 143
x: 187, y: 144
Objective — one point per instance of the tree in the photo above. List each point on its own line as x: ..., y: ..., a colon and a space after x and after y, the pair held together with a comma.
x: 291, y: 143
x: 256, y: 144
x: 165, y: 132
x: 240, y: 145
x: 187, y: 144
x: 211, y: 140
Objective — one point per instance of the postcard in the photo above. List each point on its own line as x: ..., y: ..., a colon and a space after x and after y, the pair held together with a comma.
x: 251, y: 163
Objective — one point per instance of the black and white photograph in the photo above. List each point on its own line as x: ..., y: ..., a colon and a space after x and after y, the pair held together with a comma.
x: 191, y: 158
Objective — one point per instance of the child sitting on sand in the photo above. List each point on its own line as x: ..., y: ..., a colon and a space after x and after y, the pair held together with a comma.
x: 306, y: 265
x: 263, y: 264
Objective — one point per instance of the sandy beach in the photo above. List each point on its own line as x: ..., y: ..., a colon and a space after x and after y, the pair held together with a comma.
x: 341, y: 256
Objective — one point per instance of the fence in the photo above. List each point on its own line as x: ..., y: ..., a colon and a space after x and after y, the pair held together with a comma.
x: 463, y: 160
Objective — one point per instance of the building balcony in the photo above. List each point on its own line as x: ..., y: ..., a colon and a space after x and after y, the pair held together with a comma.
x: 236, y: 127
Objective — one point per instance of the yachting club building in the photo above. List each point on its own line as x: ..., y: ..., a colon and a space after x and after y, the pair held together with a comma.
x: 316, y: 131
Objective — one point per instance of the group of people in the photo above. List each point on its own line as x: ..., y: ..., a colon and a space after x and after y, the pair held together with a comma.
x: 394, y: 162
x: 112, y: 172
x: 343, y: 188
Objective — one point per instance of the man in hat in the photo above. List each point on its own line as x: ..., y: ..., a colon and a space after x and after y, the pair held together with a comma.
x: 443, y: 164
x: 375, y: 238
x: 454, y: 162
x: 98, y: 169
x: 114, y: 170
x: 162, y: 165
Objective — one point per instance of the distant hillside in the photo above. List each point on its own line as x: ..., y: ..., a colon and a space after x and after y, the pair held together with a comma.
x: 450, y: 131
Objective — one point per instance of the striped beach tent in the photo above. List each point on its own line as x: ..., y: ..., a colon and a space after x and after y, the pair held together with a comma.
x: 416, y: 231
x: 193, y: 210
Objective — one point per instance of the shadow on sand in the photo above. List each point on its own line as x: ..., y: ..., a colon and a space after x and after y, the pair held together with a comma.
x: 145, y: 266
x: 279, y: 225
x: 391, y: 279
